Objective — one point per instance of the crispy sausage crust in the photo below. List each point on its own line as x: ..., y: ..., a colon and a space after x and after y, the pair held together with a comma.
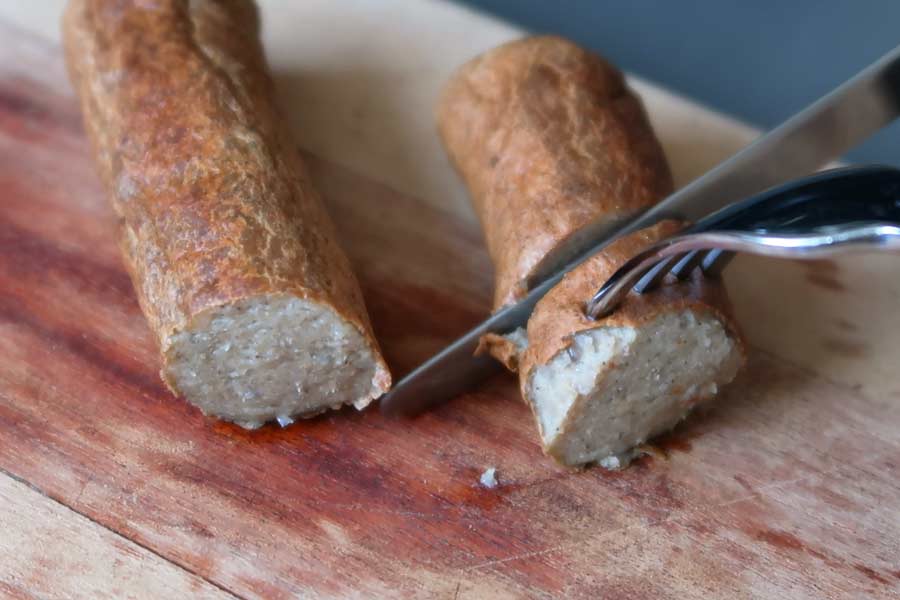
x: 548, y: 139
x: 560, y: 315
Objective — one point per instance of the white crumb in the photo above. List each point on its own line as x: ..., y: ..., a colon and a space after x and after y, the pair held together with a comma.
x: 489, y: 478
x: 611, y: 462
x: 284, y: 420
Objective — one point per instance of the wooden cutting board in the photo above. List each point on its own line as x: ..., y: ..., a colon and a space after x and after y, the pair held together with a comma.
x: 111, y: 487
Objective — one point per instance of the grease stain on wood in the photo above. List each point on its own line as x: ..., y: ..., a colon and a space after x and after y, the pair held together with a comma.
x: 872, y: 574
x: 846, y: 348
x: 674, y: 442
x: 744, y: 483
x: 783, y: 540
x: 678, y: 440
x: 845, y: 325
x: 824, y: 274
x: 789, y: 542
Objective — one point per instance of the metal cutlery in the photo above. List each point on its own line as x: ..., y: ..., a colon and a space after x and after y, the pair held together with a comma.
x: 835, y: 212
x: 816, y: 135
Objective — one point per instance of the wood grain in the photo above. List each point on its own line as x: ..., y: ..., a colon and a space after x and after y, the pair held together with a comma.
x: 788, y: 487
x: 49, y: 551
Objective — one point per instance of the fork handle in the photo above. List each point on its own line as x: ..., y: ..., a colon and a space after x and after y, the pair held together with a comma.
x: 830, y: 198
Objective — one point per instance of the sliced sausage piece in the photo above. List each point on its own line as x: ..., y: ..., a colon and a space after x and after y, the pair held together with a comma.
x: 600, y: 388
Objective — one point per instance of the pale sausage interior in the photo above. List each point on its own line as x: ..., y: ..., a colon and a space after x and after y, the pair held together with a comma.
x: 271, y: 357
x: 612, y: 388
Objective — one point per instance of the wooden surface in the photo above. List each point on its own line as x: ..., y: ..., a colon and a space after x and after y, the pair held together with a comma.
x: 110, y: 487
x: 48, y: 551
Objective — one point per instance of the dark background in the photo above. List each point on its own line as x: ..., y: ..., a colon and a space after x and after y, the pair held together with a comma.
x: 760, y: 60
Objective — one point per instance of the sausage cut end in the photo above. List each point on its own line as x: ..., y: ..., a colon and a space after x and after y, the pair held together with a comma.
x: 272, y: 357
x: 612, y: 388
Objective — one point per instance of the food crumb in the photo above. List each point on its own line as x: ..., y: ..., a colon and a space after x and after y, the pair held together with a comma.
x: 611, y: 462
x: 489, y: 478
x: 284, y: 420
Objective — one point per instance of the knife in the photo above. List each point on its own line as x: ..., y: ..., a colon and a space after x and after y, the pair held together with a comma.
x: 814, y: 136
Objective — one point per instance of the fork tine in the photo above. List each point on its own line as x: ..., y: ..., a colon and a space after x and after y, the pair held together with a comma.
x: 715, y: 262
x: 690, y: 261
x: 654, y: 276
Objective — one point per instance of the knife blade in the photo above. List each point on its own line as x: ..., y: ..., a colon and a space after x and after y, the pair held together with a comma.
x: 816, y: 135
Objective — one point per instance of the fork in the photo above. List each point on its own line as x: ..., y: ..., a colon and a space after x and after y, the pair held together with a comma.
x: 831, y: 213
